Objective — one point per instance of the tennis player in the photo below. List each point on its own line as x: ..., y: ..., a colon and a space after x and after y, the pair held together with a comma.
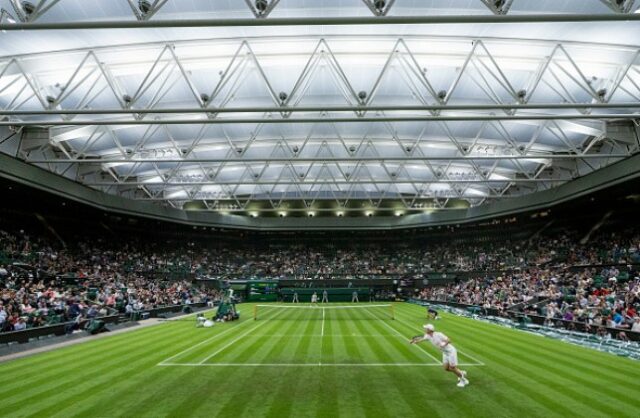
x: 314, y: 298
x: 432, y: 313
x: 200, y: 319
x: 449, y: 352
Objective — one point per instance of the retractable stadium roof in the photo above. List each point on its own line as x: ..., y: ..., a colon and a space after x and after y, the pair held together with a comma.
x: 323, y: 107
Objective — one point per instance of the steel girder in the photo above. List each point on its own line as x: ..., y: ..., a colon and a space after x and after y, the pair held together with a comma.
x: 145, y: 11
x: 512, y: 134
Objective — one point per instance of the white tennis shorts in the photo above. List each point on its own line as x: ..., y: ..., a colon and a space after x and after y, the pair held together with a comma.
x: 450, y: 356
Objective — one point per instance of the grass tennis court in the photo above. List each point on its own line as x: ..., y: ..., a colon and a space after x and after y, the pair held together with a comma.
x: 329, y: 363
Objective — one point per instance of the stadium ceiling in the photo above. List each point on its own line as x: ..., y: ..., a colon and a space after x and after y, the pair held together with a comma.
x: 308, y: 106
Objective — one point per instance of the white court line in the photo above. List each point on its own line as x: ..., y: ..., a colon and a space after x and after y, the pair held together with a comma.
x: 321, y: 337
x: 202, y: 342
x: 439, y: 363
x: 339, y: 307
x: 325, y: 334
x: 231, y: 343
x: 308, y: 365
x: 480, y: 363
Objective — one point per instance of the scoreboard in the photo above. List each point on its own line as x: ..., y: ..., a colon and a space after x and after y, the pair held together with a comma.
x: 262, y: 290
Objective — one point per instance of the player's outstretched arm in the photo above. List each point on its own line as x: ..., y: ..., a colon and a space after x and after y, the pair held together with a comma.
x: 416, y: 339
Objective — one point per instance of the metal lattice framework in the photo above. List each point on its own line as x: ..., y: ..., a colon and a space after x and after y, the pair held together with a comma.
x: 276, y: 122
x: 144, y: 10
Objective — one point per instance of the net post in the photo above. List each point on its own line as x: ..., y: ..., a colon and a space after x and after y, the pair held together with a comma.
x: 393, y: 316
x: 255, y: 312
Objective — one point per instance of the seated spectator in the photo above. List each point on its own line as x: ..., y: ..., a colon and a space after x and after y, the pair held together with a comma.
x: 20, y: 325
x: 636, y: 325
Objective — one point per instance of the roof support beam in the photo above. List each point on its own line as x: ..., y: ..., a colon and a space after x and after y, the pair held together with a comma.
x: 324, y: 21
x: 235, y: 121
x: 332, y: 159
x: 327, y: 109
x: 323, y: 181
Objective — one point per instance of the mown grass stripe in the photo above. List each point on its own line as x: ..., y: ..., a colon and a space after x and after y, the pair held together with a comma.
x: 86, y: 346
x: 91, y: 389
x: 64, y: 405
x: 556, y: 382
x: 397, y: 340
x: 231, y: 403
x: 349, y: 401
x: 555, y: 346
x: 214, y: 390
x: 560, y: 380
x: 579, y: 374
x: 445, y: 379
x: 124, y: 394
x: 567, y: 374
x: 288, y: 385
x: 275, y: 347
x: 389, y: 347
x: 471, y: 335
x: 52, y: 371
x: 366, y: 387
x: 428, y: 348
x: 44, y: 393
x: 226, y: 332
x: 242, y: 348
x: 561, y: 352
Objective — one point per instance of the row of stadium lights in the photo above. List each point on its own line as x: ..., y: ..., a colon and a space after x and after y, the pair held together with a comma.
x: 339, y: 214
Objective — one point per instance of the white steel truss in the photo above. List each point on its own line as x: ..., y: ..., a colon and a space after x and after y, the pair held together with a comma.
x: 143, y: 10
x: 282, y: 123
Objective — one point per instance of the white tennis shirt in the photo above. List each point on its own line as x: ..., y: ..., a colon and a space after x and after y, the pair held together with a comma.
x: 437, y: 339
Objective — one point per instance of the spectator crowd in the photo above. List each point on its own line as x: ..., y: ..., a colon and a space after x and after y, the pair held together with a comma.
x: 44, y: 282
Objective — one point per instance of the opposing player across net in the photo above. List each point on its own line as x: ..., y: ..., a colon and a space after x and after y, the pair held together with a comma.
x: 342, y: 312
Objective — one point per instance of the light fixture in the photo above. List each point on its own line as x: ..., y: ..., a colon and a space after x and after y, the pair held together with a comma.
x: 379, y: 5
x: 28, y: 8
x: 254, y: 214
x: 399, y: 213
x: 144, y: 6
x: 340, y: 214
x: 261, y: 5
x: 282, y: 214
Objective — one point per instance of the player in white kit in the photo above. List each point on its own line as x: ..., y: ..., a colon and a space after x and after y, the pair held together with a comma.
x: 449, y: 352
